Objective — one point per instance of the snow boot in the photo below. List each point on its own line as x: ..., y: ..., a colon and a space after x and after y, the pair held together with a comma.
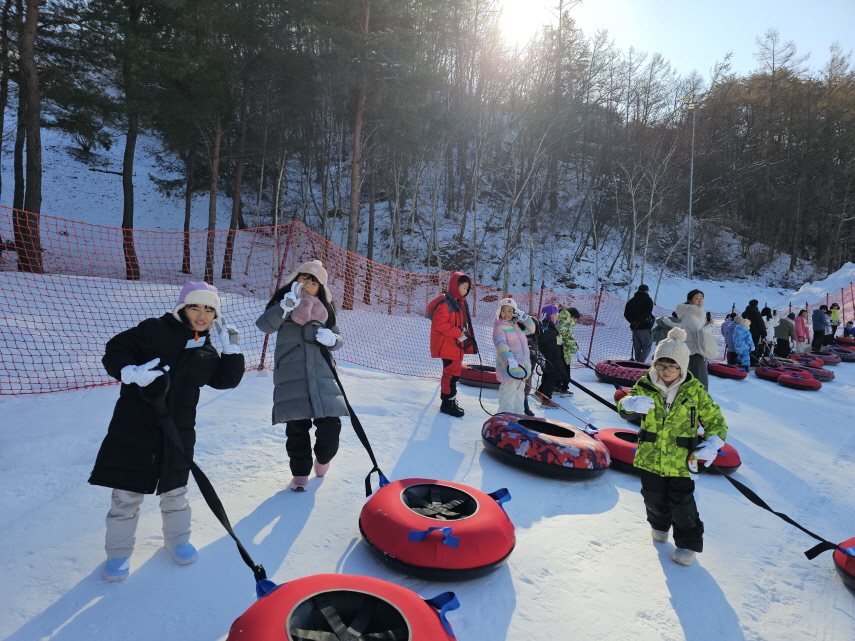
x: 184, y: 553
x: 321, y: 468
x: 659, y: 535
x: 683, y: 556
x: 299, y: 483
x: 565, y: 393
x: 449, y: 406
x: 117, y: 569
x: 526, y: 409
x: 548, y: 404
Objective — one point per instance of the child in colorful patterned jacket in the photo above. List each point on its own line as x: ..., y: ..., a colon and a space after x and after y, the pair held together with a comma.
x: 513, y: 362
x: 672, y: 401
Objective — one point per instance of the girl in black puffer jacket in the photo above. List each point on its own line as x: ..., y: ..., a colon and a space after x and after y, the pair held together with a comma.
x: 550, y: 345
x: 135, y: 458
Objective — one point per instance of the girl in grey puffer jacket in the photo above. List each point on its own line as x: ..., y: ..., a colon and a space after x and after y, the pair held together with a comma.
x: 305, y: 390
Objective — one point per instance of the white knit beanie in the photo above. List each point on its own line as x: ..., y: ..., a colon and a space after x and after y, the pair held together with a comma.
x: 313, y: 267
x: 510, y: 302
x: 674, y: 347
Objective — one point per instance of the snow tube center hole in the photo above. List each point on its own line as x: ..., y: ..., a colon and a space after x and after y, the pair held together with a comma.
x: 629, y: 437
x: 439, y: 502
x: 547, y: 428
x: 482, y: 368
x: 318, y: 616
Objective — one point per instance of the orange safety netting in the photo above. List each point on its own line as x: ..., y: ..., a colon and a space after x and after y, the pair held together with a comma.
x: 55, y: 323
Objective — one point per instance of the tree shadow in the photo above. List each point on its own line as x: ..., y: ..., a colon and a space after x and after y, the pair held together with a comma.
x: 698, y: 601
x: 211, y: 593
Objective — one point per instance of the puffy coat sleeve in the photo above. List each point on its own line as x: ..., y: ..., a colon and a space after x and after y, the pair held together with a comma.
x: 270, y: 320
x: 339, y: 339
x: 500, y: 341
x: 126, y: 348
x: 229, y: 372
x: 442, y: 322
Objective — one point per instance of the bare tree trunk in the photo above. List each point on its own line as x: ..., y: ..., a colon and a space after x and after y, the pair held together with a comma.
x: 212, y: 203
x: 132, y: 266
x: 372, y: 195
x: 188, y: 203
x: 4, y: 74
x: 236, y: 222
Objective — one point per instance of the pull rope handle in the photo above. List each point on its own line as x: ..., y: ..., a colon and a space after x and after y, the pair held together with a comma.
x: 443, y: 604
x: 447, y: 538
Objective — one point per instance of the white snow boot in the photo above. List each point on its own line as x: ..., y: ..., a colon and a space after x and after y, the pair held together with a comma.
x: 659, y: 535
x: 684, y: 557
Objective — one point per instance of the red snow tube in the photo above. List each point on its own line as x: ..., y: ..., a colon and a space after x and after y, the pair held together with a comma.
x: 799, y: 381
x: 807, y: 359
x: 773, y: 373
x: 632, y: 417
x: 829, y: 358
x: 622, y: 444
x: 544, y: 446
x: 845, y: 355
x: 819, y: 373
x: 313, y: 607
x: 622, y: 373
x: 845, y: 564
x: 437, y: 529
x: 723, y: 370
x: 843, y: 341
x: 479, y: 376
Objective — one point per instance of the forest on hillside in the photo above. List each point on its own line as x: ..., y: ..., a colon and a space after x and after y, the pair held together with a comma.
x: 399, y: 118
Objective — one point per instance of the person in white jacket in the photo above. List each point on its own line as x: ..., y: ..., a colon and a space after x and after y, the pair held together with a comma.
x: 699, y: 338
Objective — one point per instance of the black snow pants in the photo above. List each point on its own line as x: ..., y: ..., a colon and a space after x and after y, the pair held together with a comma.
x: 299, y: 442
x: 670, y: 501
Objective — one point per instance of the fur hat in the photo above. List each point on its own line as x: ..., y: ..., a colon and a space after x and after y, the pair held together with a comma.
x: 549, y: 310
x: 313, y: 267
x: 745, y: 322
x: 510, y: 302
x: 674, y: 347
x: 198, y: 294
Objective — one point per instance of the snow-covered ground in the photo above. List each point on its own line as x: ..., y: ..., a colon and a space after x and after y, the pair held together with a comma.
x: 584, y: 565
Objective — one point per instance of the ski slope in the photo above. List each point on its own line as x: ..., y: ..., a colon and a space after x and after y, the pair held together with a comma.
x: 584, y: 565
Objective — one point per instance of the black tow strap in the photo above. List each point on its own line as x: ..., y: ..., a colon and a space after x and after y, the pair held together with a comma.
x: 164, y: 417
x: 756, y: 500
x: 354, y: 419
x: 434, y: 508
x: 595, y: 395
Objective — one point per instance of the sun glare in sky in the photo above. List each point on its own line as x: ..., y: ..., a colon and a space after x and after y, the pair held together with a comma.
x: 521, y: 19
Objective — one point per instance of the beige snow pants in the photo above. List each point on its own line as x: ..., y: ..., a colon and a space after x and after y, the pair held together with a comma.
x: 124, y: 514
x: 512, y: 396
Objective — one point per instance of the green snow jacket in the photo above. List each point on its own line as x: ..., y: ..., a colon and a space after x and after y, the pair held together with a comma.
x: 565, y: 326
x: 658, y: 451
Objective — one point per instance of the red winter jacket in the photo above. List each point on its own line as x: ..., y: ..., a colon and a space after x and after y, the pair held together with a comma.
x: 448, y: 314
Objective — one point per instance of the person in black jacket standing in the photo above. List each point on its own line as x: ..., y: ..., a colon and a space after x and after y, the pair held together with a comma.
x: 136, y: 458
x: 758, y: 323
x: 639, y: 314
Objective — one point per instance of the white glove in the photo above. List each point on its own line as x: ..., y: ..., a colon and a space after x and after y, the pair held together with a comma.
x: 708, y: 450
x: 291, y: 299
x: 521, y: 316
x: 142, y: 375
x: 325, y: 337
x: 512, y: 363
x: 637, y: 404
x: 462, y: 338
x: 229, y: 336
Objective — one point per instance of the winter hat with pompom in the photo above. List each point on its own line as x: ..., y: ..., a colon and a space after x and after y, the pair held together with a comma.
x: 674, y: 347
x: 198, y: 294
x: 313, y: 267
x: 510, y: 302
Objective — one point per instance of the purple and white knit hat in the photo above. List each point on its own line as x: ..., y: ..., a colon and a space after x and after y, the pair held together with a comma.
x: 549, y: 310
x: 198, y: 294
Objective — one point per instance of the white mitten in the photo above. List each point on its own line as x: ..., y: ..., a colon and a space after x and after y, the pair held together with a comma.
x: 522, y: 316
x: 142, y: 375
x: 229, y: 336
x: 325, y: 337
x: 462, y: 338
x: 708, y: 450
x: 291, y: 299
x: 512, y: 363
x: 637, y: 404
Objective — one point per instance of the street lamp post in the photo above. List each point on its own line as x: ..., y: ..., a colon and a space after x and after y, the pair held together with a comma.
x: 693, y: 107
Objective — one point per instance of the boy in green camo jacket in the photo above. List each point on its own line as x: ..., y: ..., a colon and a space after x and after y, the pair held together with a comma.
x: 673, y: 401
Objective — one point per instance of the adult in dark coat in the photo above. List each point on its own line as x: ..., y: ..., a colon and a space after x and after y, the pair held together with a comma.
x: 555, y: 369
x: 639, y: 314
x: 758, y: 323
x: 135, y: 456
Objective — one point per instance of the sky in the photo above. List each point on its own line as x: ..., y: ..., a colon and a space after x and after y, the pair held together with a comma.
x: 694, y: 35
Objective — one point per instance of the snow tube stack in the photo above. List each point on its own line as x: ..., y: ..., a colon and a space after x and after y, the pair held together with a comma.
x: 808, y: 360
x: 844, y: 341
x: 723, y: 370
x: 828, y: 357
x: 438, y: 530
x: 621, y: 373
x: 845, y: 355
x: 544, y: 446
x: 622, y: 444
x: 479, y: 376
x: 845, y: 564
x: 340, y: 606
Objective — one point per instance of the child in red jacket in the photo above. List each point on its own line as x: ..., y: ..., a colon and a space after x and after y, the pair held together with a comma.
x: 450, y: 322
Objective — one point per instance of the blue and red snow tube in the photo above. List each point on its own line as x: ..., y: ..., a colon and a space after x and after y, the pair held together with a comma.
x: 544, y: 446
x: 438, y: 530
x: 341, y: 606
x: 632, y: 417
x: 845, y: 564
x: 723, y: 370
x: 622, y: 444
